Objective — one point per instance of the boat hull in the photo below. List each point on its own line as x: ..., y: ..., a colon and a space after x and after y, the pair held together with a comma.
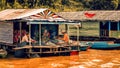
x: 105, y: 46
x: 84, y: 48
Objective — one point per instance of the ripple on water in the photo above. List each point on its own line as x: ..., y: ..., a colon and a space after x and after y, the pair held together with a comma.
x: 107, y: 65
x: 97, y: 60
x: 116, y: 60
x: 79, y: 66
x: 6, y: 66
x: 89, y: 63
x: 56, y: 65
x: 73, y: 62
x: 87, y: 59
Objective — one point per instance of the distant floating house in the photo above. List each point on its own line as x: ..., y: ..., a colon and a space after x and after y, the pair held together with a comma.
x: 109, y: 20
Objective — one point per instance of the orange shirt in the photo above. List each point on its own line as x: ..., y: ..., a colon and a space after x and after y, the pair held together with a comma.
x: 66, y: 38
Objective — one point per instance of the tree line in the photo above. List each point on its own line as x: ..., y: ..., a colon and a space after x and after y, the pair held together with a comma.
x: 61, y: 5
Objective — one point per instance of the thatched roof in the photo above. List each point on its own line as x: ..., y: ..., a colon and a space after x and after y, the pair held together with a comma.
x: 91, y: 15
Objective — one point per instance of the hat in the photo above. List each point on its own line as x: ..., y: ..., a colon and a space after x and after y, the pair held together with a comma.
x: 63, y: 31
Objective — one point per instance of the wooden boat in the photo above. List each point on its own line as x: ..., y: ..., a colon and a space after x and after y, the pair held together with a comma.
x: 80, y: 46
x: 105, y: 46
x: 84, y: 47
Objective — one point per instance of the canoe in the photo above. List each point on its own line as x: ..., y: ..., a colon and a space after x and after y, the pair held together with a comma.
x: 84, y: 48
x: 105, y: 46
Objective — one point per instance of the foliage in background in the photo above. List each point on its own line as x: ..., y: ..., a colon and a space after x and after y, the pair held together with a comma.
x: 62, y: 5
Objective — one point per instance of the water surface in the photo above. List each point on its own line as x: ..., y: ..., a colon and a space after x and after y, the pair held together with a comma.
x: 85, y: 59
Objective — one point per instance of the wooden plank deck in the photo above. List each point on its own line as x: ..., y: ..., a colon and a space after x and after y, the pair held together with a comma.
x: 48, y: 52
x: 28, y: 46
x: 24, y: 47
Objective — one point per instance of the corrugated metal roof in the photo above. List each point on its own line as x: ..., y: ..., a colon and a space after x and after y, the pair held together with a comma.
x: 10, y: 14
x: 91, y: 15
x: 29, y: 14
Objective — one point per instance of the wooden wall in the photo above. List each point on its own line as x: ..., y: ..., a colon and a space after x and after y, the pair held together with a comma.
x: 6, y: 32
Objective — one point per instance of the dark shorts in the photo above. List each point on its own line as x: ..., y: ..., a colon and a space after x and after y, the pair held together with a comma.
x: 22, y: 44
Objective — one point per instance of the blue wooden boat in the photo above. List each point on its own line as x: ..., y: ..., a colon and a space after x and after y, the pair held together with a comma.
x: 105, y: 46
x: 84, y: 46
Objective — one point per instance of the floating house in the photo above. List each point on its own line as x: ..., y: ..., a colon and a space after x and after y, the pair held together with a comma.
x: 109, y: 25
x: 15, y: 22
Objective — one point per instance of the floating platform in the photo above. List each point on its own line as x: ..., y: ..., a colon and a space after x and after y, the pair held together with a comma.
x: 40, y: 51
x: 7, y: 46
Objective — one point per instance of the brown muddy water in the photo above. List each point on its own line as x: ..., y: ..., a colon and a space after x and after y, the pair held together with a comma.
x: 85, y: 59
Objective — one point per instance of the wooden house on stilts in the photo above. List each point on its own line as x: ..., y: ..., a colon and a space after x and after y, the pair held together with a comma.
x: 14, y: 23
x: 109, y: 21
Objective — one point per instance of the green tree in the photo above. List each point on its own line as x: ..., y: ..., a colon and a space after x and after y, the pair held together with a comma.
x: 22, y: 3
x: 2, y: 4
x: 17, y: 4
x: 65, y: 2
x: 104, y: 4
x: 62, y: 5
x: 118, y: 4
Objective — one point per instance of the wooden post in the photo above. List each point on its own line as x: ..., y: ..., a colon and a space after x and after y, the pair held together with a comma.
x: 118, y: 28
x: 39, y: 34
x: 30, y: 34
x: 99, y: 30
x: 109, y: 28
x: 20, y: 31
x: 77, y: 34
x: 66, y: 27
x: 68, y: 31
x: 30, y: 50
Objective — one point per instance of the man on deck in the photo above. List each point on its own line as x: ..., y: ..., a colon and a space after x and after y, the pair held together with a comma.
x: 65, y: 37
x: 26, y: 39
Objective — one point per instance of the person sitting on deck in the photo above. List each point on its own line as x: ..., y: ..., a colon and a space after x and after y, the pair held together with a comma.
x: 62, y: 40
x: 45, y: 37
x: 65, y: 37
x: 16, y: 37
x: 26, y: 39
